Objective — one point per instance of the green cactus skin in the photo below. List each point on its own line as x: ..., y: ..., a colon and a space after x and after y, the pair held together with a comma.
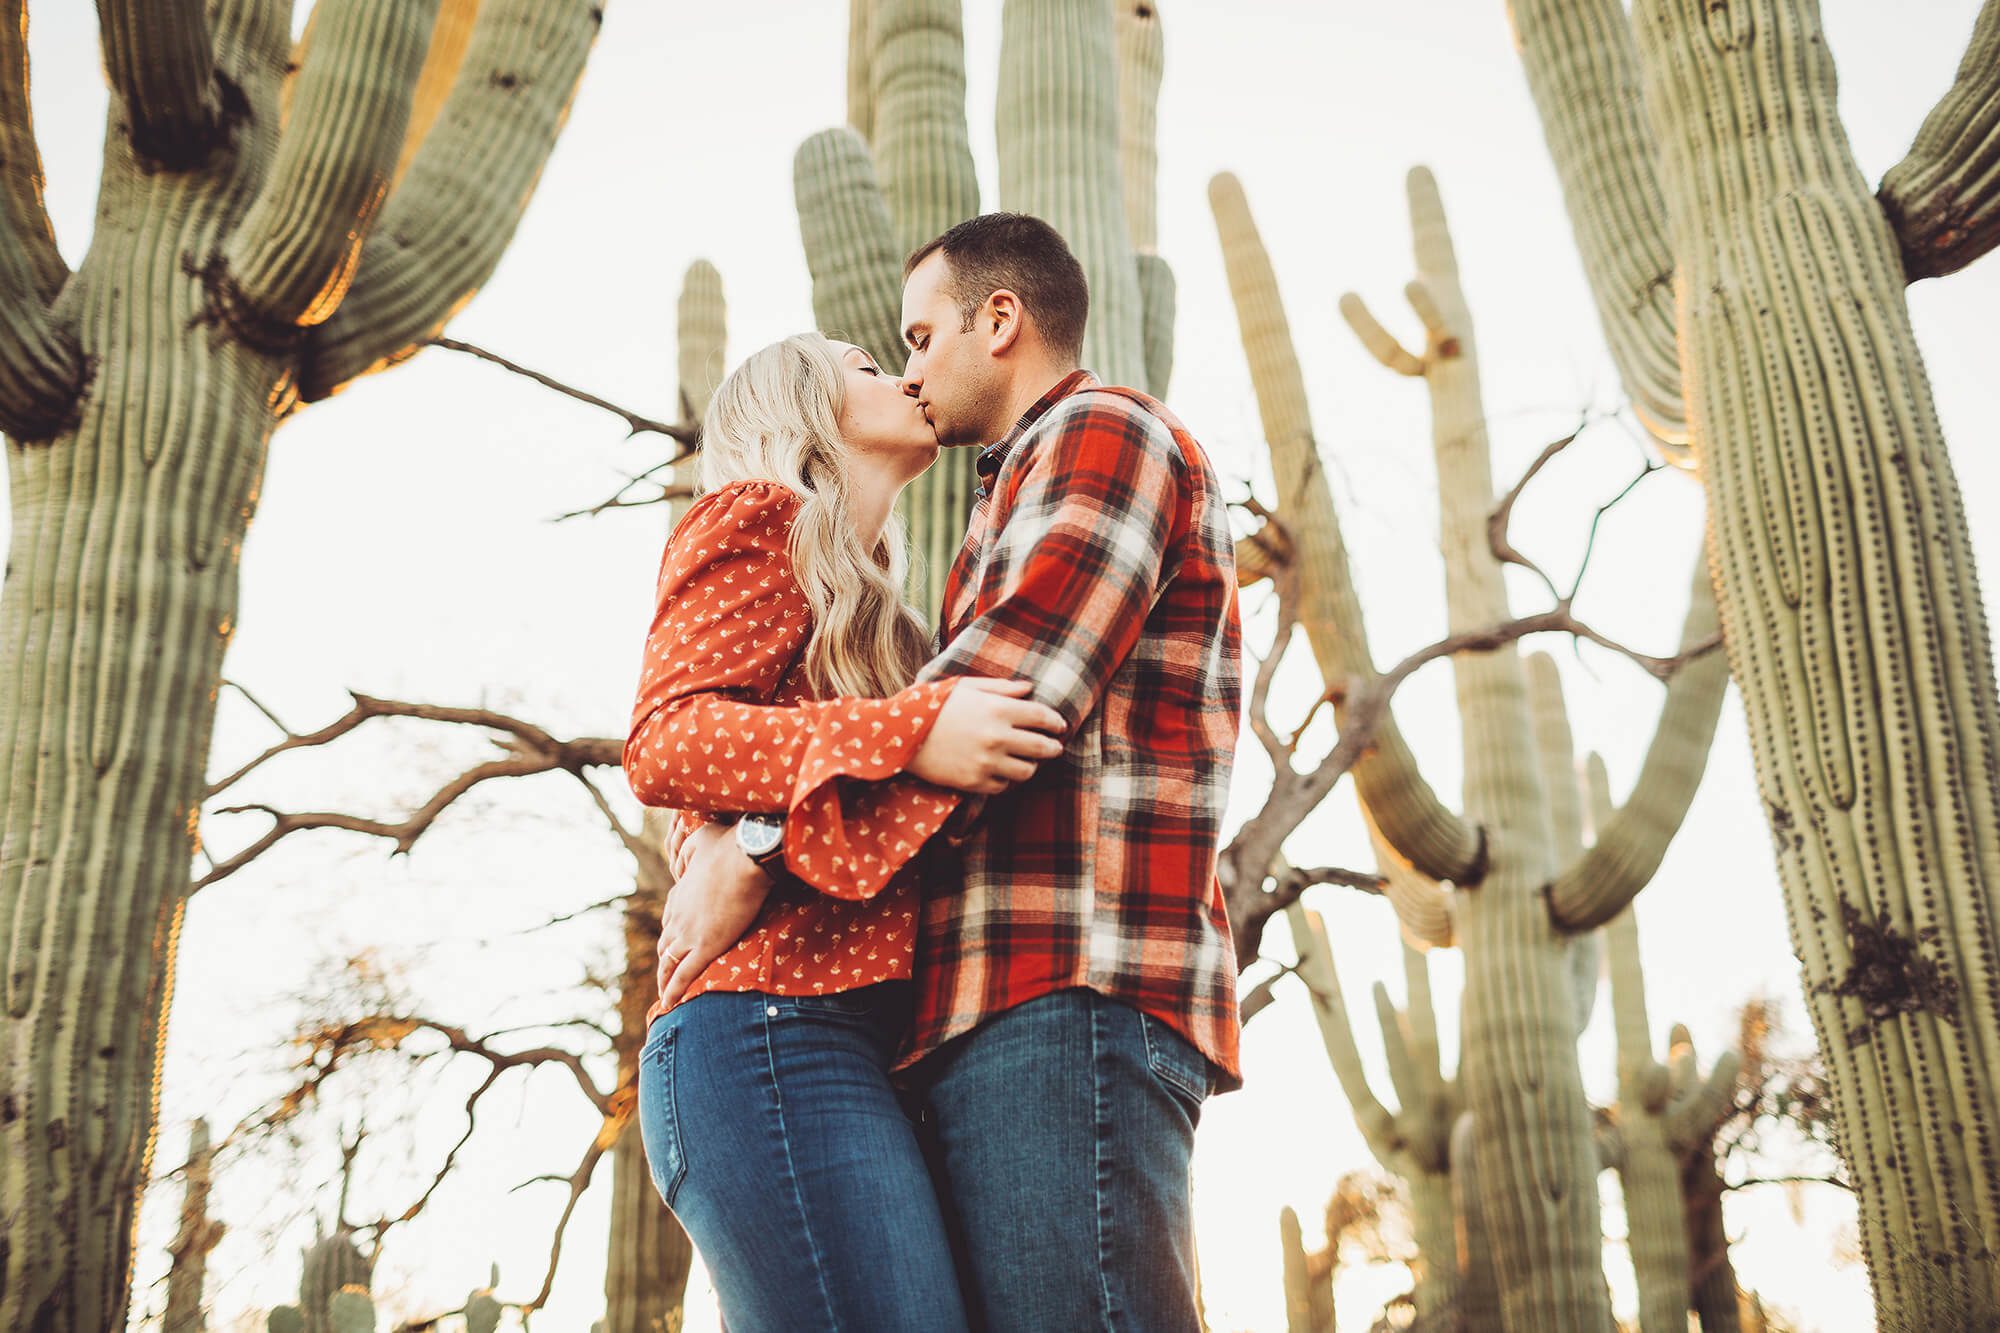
x: 1854, y: 623
x: 351, y: 1311
x: 482, y: 1311
x: 1665, y: 1127
x: 859, y: 215
x: 328, y: 1268
x: 1308, y: 1302
x: 1157, y: 292
x: 701, y: 338
x: 1844, y: 574
x: 1527, y: 986
x: 1141, y: 50
x: 1057, y: 118
x: 197, y: 1236
x: 131, y: 494
x: 1414, y: 1140
x: 1943, y: 199
x: 285, y: 1319
x: 1435, y: 841
x: 1479, y: 1286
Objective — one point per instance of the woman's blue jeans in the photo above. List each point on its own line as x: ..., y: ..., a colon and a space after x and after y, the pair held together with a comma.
x: 775, y: 1136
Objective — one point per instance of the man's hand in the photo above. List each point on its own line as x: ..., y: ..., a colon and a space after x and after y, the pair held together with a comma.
x: 710, y: 905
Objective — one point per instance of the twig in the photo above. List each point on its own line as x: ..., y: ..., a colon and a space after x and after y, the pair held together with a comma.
x: 683, y: 433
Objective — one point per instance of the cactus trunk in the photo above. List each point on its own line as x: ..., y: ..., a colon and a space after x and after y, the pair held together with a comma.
x: 213, y: 289
x: 1854, y: 622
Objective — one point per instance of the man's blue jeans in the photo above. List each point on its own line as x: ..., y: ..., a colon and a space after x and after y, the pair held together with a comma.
x: 1062, y: 1131
x: 775, y: 1136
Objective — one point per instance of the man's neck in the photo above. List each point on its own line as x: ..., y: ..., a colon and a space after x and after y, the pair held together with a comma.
x: 1029, y: 388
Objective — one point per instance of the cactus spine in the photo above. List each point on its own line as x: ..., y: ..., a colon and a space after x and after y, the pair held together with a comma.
x: 1843, y: 568
x: 223, y: 287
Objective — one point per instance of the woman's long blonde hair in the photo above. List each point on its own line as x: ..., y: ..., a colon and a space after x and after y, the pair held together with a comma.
x: 776, y: 418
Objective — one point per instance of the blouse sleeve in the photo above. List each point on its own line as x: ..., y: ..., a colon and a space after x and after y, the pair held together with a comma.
x: 729, y: 620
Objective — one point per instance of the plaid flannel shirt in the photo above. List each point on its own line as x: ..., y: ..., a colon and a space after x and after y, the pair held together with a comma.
x: 1098, y: 565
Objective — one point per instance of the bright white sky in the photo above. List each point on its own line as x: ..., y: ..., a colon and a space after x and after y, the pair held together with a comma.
x: 402, y: 547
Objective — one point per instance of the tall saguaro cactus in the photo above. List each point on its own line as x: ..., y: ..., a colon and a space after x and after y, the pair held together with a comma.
x: 1843, y: 565
x: 901, y: 173
x: 243, y: 262
x: 1531, y: 1135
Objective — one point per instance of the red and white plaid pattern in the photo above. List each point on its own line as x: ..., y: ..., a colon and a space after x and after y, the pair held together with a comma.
x: 1098, y: 565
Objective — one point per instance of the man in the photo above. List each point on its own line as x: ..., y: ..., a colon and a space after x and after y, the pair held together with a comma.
x: 1075, y: 987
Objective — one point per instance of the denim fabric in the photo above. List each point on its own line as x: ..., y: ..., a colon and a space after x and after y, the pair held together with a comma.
x: 775, y: 1136
x: 1061, y: 1130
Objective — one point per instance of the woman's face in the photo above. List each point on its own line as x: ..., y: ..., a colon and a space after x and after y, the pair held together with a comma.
x: 878, y: 417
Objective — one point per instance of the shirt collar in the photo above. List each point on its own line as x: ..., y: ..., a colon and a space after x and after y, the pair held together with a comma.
x: 996, y: 453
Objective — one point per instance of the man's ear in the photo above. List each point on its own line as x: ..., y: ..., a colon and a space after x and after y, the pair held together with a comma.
x: 1002, y: 318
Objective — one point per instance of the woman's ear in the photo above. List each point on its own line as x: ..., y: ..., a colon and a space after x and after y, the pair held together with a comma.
x: 1002, y: 316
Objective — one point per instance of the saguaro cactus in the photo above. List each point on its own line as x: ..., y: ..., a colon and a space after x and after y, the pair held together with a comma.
x: 240, y: 267
x: 1414, y: 1140
x: 1531, y: 1133
x: 198, y: 1234
x: 1853, y: 617
x: 902, y: 173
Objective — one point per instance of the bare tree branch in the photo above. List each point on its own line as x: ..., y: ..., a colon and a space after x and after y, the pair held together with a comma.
x: 683, y: 433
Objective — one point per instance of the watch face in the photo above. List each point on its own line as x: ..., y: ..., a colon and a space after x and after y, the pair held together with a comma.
x: 759, y: 838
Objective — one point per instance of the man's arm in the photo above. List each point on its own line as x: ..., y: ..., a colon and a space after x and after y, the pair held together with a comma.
x: 1080, y: 559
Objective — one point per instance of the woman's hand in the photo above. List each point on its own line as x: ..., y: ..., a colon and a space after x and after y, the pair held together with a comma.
x: 987, y: 737
x: 710, y: 905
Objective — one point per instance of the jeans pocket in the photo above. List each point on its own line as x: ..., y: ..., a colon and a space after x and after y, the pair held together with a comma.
x: 659, y: 1118
x: 1174, y: 1061
x: 847, y: 1003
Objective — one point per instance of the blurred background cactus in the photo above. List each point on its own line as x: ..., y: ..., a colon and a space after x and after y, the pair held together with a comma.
x: 1522, y: 886
x: 255, y: 249
x: 1078, y: 90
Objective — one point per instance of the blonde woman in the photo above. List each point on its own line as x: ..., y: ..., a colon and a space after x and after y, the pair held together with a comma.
x: 776, y: 685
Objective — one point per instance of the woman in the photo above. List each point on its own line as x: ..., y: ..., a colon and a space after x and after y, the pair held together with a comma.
x: 777, y: 680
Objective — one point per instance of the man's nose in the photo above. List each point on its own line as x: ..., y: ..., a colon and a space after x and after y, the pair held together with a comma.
x: 913, y: 385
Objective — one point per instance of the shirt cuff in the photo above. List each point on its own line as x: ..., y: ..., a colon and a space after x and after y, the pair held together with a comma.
x: 849, y: 830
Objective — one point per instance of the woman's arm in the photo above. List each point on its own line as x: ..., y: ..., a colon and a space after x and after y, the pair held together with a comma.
x: 729, y: 621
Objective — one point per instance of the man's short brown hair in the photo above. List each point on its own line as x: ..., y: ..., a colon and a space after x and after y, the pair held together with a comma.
x: 1027, y: 257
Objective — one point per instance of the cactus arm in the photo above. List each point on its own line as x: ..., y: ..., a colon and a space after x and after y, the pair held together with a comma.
x: 1404, y: 1074
x: 1584, y: 77
x: 921, y: 148
x: 1424, y: 834
x: 1631, y: 843
x: 1057, y: 118
x: 24, y: 221
x: 1943, y: 198
x: 1316, y: 969
x: 443, y: 230
x: 701, y: 338
x: 1421, y: 904
x: 1141, y: 66
x: 160, y: 61
x: 451, y: 35
x: 41, y: 366
x: 1158, y: 293
x: 860, y: 85
x: 291, y: 258
x: 857, y: 273
x: 1380, y: 343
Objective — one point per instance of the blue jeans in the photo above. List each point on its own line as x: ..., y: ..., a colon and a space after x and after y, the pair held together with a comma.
x: 1062, y: 1130
x: 774, y: 1134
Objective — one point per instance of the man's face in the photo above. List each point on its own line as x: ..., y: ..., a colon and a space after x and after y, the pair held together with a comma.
x: 956, y: 381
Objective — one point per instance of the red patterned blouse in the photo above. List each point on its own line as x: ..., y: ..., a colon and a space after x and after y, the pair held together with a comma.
x: 724, y: 724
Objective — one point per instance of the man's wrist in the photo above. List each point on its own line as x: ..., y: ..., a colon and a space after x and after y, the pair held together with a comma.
x: 762, y: 839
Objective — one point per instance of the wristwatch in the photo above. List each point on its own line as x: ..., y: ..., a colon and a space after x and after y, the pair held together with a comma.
x: 762, y: 838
